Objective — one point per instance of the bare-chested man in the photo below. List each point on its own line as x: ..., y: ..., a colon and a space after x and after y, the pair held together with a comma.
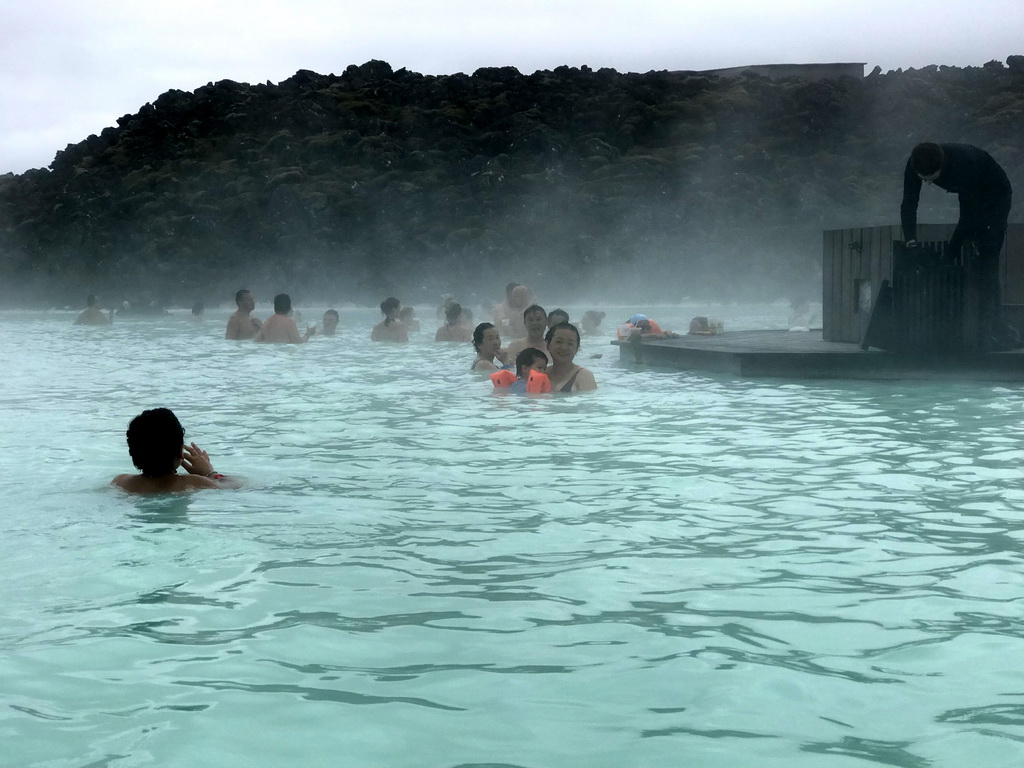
x: 511, y: 316
x: 156, y: 442
x: 536, y: 321
x: 280, y: 328
x: 93, y: 315
x: 241, y: 325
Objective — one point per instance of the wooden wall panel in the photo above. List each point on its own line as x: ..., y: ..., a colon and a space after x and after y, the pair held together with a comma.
x: 1013, y: 265
x: 828, y: 320
x: 843, y: 267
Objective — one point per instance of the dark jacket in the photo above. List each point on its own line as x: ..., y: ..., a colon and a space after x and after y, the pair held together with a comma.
x: 980, y: 182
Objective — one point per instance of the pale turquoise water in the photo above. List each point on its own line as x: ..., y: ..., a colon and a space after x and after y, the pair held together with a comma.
x: 675, y: 570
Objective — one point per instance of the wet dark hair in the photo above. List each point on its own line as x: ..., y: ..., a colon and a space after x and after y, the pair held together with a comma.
x: 927, y: 158
x: 561, y: 312
x: 478, y: 334
x: 526, y: 359
x: 155, y: 438
x: 240, y: 294
x: 282, y: 304
x: 452, y: 312
x: 390, y: 304
x: 558, y: 327
x: 534, y: 308
x: 332, y: 312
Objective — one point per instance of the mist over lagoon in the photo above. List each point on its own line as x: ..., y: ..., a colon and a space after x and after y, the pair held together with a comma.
x: 594, y: 183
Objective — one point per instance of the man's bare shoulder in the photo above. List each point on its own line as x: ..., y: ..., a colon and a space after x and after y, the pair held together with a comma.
x: 515, y: 348
x: 124, y: 482
x: 140, y: 484
x: 92, y: 317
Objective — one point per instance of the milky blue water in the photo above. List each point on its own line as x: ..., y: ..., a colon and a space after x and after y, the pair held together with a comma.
x: 677, y: 569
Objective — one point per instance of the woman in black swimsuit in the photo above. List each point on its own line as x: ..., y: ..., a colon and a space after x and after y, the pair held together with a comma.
x: 487, y: 343
x: 563, y: 343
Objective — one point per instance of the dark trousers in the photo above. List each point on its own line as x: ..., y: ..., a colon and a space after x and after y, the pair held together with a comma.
x: 993, y: 332
x: 985, y: 226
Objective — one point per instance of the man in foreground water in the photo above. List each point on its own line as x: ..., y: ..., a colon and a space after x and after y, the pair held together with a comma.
x: 985, y: 196
x: 156, y: 443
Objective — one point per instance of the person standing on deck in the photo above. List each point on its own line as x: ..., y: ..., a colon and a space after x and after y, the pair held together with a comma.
x: 984, y: 191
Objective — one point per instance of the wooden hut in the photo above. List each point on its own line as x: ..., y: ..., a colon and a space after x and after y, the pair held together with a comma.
x: 933, y: 297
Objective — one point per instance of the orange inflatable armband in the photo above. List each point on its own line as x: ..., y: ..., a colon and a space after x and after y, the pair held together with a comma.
x: 503, y: 379
x: 538, y: 383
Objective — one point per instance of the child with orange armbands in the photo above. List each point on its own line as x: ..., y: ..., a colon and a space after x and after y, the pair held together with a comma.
x: 530, y: 376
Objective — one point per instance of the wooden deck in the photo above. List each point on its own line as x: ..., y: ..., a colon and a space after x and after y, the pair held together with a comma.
x: 805, y: 355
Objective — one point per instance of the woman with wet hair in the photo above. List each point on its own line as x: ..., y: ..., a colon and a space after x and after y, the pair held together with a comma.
x: 563, y: 342
x: 453, y: 329
x: 390, y: 328
x: 487, y: 342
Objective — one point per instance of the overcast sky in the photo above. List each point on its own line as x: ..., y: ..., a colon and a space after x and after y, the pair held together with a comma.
x: 72, y: 67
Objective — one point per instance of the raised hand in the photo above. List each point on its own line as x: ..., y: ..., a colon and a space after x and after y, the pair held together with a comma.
x: 196, y: 461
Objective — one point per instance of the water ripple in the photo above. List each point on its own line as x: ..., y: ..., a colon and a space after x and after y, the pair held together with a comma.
x: 764, y: 573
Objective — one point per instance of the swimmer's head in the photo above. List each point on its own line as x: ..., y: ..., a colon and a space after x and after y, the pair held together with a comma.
x: 568, y: 327
x: 535, y: 319
x: 198, y: 308
x: 480, y: 333
x: 282, y: 304
x: 519, y: 297
x: 406, y: 313
x: 155, y: 440
x: 530, y: 359
x: 557, y: 316
x: 330, y: 322
x: 509, y: 288
x: 90, y: 300
x: 389, y: 307
x: 453, y: 312
x: 245, y: 300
